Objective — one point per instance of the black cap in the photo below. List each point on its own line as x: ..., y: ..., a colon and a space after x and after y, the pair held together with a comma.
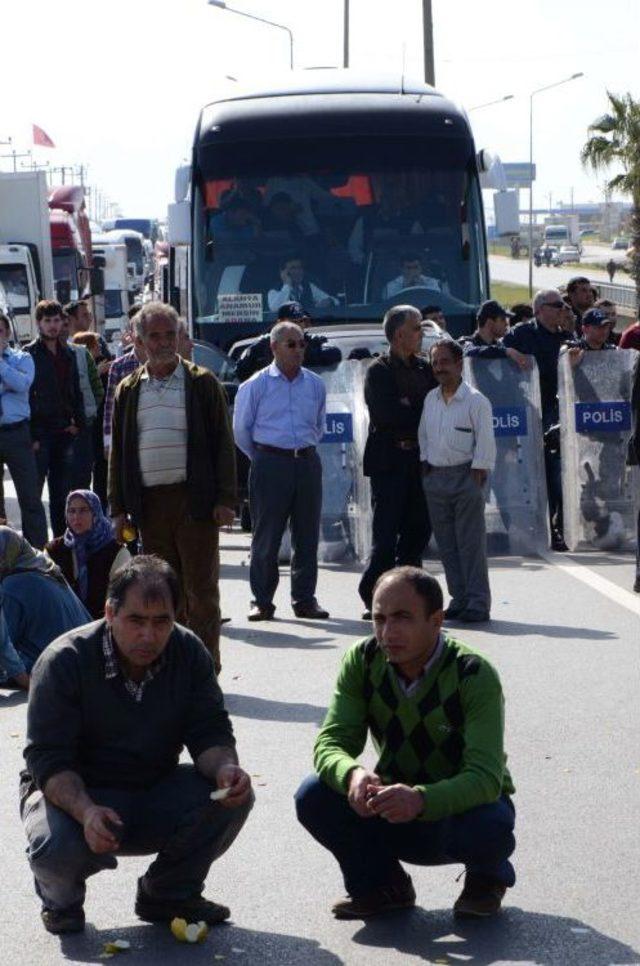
x: 293, y: 312
x: 492, y: 310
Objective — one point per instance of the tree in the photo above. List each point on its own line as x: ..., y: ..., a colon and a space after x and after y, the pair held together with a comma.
x: 614, y: 140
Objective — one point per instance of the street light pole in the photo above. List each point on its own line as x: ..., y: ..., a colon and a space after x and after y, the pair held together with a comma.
x: 251, y: 16
x: 345, y: 35
x: 499, y: 100
x: 539, y: 90
x: 427, y: 27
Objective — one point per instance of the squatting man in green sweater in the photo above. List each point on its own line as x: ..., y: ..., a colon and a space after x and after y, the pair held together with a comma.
x: 111, y: 706
x: 440, y: 792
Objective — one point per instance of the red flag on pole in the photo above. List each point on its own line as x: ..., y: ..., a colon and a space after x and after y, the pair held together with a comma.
x: 41, y: 137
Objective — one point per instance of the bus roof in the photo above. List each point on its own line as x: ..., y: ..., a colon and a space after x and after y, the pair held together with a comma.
x: 331, y: 102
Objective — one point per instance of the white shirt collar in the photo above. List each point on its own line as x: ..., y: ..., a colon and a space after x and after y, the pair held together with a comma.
x: 462, y: 391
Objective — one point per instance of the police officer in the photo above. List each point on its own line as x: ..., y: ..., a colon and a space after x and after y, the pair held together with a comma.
x: 395, y: 388
x: 542, y: 337
x: 486, y: 342
x: 258, y: 355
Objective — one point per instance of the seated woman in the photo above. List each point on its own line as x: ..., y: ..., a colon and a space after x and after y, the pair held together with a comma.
x: 36, y: 606
x: 87, y: 553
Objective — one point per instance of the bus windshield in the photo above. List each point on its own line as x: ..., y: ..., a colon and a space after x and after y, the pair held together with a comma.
x: 135, y: 254
x: 346, y: 242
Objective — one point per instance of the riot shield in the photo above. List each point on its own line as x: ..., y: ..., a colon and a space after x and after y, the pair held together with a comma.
x: 599, y: 491
x: 345, y: 528
x: 516, y: 509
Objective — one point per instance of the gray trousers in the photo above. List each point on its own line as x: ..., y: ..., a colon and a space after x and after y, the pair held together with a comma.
x: 16, y: 450
x: 456, y: 509
x: 283, y: 489
x: 175, y: 818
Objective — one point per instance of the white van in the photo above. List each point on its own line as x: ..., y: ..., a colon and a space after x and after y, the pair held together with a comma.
x: 117, y: 294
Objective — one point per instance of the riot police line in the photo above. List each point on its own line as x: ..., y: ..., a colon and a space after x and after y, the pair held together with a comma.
x: 600, y: 490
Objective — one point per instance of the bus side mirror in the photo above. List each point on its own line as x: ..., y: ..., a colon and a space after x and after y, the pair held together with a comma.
x: 63, y: 291
x: 96, y: 281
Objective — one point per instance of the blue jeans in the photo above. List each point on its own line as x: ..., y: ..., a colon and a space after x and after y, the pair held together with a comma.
x: 368, y: 850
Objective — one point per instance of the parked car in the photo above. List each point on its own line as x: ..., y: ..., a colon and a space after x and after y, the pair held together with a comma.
x: 620, y: 242
x: 565, y: 255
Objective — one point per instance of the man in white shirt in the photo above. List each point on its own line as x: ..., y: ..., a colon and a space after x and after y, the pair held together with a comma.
x: 457, y: 451
x: 411, y: 277
x: 296, y: 288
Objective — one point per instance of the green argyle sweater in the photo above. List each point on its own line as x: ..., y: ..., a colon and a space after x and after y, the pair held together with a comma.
x: 446, y: 738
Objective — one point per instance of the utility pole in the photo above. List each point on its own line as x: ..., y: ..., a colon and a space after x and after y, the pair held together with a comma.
x: 345, y: 35
x: 427, y: 26
x: 14, y: 154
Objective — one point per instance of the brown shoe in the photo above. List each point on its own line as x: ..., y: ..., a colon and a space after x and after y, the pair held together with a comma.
x: 311, y: 610
x: 257, y: 613
x: 481, y: 897
x: 387, y: 898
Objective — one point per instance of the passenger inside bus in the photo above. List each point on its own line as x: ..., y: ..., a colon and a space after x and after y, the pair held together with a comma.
x: 235, y: 221
x: 411, y: 276
x: 297, y: 288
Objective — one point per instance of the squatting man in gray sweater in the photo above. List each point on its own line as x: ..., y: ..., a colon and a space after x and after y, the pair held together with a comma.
x: 111, y: 706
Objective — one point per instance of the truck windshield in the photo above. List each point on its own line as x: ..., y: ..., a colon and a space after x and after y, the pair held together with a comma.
x: 113, y: 303
x: 135, y: 254
x: 16, y: 285
x: 65, y: 268
x: 346, y: 242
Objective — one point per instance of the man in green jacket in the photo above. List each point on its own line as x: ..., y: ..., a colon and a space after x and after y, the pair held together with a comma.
x: 441, y: 791
x: 172, y: 469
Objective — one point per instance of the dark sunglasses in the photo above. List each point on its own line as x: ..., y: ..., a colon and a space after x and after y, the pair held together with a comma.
x: 555, y: 305
x: 295, y: 345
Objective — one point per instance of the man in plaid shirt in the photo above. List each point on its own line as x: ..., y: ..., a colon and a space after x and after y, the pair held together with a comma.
x: 122, y: 367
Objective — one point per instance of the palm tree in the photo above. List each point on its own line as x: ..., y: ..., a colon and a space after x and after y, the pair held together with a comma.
x: 614, y: 140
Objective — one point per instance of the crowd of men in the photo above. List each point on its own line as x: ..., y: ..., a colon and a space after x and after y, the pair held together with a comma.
x: 112, y: 702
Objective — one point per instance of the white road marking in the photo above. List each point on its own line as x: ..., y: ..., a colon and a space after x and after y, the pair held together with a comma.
x: 626, y: 598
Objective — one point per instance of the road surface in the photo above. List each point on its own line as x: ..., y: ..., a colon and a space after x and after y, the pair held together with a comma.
x: 564, y: 637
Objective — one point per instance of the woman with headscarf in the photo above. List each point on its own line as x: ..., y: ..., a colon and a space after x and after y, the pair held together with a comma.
x: 87, y: 553
x: 36, y: 606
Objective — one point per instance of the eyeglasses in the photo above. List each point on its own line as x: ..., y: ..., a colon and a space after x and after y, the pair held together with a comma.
x: 555, y: 305
x: 295, y: 345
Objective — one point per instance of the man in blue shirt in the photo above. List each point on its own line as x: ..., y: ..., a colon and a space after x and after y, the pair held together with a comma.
x: 279, y: 418
x: 16, y: 450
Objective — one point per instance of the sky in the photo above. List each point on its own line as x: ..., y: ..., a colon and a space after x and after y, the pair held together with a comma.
x: 118, y: 85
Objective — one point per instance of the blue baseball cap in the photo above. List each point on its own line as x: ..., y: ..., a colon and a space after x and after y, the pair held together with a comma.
x: 293, y: 312
x: 595, y: 317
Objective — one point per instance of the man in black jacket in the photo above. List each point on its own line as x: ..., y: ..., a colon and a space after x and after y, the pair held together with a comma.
x: 110, y: 708
x: 258, y: 355
x: 57, y: 412
x: 395, y: 388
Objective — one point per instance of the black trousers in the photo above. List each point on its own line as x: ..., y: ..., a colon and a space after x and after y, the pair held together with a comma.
x: 401, y: 528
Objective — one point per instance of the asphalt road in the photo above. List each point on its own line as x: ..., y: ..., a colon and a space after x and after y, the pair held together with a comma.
x: 564, y: 637
x: 516, y: 271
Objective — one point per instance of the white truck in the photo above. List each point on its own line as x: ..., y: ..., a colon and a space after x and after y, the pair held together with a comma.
x: 26, y: 261
x: 563, y: 231
x: 113, y: 260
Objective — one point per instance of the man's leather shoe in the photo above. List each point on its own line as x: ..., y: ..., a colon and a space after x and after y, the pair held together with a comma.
x: 366, y: 615
x: 257, y: 613
x: 480, y: 898
x: 195, y: 909
x: 452, y: 612
x: 58, y: 921
x: 311, y: 610
x: 399, y: 894
x: 471, y: 616
x: 557, y: 542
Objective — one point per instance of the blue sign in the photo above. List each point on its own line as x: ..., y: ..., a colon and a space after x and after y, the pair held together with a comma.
x: 339, y: 428
x: 509, y: 421
x: 603, y: 417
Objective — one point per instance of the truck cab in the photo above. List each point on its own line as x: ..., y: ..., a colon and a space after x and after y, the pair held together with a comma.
x: 20, y: 288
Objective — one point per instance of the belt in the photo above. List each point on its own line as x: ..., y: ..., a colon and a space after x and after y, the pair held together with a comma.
x: 407, y: 444
x: 18, y: 425
x: 293, y: 453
